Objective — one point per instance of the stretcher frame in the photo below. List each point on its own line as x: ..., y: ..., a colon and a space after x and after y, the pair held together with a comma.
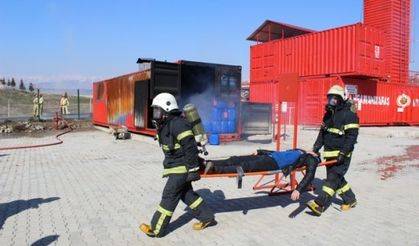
x: 279, y: 185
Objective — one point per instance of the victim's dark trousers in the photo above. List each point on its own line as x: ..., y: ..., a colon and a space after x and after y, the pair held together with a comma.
x: 249, y: 163
x: 177, y: 188
x: 336, y: 183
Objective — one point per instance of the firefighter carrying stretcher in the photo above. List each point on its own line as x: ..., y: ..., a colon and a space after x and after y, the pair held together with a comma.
x: 266, y: 160
x: 338, y: 134
x: 181, y: 167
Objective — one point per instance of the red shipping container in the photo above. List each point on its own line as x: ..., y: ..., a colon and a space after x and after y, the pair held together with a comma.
x: 355, y: 49
x: 393, y: 18
x: 113, y: 100
x: 378, y: 103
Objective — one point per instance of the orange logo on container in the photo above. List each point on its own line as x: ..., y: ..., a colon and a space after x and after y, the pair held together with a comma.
x: 403, y: 100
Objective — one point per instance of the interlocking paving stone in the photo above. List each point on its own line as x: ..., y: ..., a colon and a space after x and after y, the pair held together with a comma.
x: 94, y: 190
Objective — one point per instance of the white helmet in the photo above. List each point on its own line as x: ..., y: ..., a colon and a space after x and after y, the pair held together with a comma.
x: 337, y: 90
x: 166, y: 101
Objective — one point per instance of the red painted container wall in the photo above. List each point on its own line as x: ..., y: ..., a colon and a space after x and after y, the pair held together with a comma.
x: 355, y: 49
x: 393, y: 18
x: 113, y: 100
x: 377, y: 102
x: 99, y: 103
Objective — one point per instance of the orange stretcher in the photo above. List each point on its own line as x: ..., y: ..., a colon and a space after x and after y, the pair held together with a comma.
x: 277, y: 185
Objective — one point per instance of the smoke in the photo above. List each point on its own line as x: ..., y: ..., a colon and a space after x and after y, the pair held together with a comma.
x: 203, y: 102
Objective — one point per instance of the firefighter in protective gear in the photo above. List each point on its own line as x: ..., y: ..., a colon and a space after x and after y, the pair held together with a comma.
x: 338, y: 135
x: 181, y: 167
x: 64, y: 103
x: 38, y: 105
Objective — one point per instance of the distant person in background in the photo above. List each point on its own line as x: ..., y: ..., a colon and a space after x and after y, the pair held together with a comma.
x: 64, y: 104
x: 35, y: 110
x: 41, y: 104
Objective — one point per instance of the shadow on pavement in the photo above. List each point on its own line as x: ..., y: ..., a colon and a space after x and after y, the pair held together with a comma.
x: 45, y: 240
x: 216, y: 200
x: 11, y: 208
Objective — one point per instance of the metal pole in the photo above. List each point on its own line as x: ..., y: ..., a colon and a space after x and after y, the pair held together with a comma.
x: 8, y: 108
x: 90, y: 105
x: 278, y: 124
x: 39, y: 105
x: 78, y: 104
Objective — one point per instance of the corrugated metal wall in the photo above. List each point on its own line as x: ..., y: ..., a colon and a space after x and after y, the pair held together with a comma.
x: 377, y: 102
x: 393, y: 18
x: 354, y: 49
x: 115, y: 100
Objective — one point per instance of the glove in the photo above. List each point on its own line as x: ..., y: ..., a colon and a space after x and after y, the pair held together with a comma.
x: 316, y: 149
x: 193, y: 176
x: 341, y: 158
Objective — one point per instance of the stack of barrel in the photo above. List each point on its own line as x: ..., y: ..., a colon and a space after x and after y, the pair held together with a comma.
x: 223, y: 120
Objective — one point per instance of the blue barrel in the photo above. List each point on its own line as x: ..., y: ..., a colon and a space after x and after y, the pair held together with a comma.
x: 207, y: 126
x: 231, y: 114
x: 214, y: 139
x: 224, y: 126
x: 224, y: 114
x: 231, y: 126
x: 216, y: 126
x: 221, y: 104
x: 216, y: 114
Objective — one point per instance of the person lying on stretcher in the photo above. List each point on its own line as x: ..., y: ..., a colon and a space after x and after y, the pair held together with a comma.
x: 266, y: 160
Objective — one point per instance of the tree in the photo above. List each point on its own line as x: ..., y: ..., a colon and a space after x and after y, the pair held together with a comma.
x: 3, y: 82
x: 31, y: 89
x: 8, y: 82
x: 22, y: 86
x: 13, y: 83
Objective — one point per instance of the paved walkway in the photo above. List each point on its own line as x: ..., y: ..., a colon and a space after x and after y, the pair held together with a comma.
x: 93, y: 190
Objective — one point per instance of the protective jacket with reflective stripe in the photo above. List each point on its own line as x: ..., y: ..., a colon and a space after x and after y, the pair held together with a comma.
x: 178, y: 144
x: 339, y: 132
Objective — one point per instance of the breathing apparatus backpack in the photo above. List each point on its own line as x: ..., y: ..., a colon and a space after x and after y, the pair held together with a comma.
x: 192, y: 116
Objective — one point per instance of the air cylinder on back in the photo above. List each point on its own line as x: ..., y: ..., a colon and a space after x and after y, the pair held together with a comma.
x: 192, y: 116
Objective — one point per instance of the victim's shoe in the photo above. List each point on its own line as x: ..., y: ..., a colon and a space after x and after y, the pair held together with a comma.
x: 209, y: 167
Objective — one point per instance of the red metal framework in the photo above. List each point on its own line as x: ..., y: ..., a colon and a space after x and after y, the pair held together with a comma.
x: 278, y: 185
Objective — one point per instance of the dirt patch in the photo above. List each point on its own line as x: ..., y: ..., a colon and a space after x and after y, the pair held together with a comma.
x: 39, y: 128
x: 393, y: 164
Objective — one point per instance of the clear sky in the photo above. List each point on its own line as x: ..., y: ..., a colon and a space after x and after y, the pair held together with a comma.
x: 90, y: 40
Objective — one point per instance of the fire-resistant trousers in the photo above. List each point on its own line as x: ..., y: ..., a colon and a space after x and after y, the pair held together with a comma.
x: 177, y: 188
x: 336, y: 183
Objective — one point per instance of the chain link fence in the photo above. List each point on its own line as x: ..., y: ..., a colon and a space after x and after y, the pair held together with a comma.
x: 23, y: 104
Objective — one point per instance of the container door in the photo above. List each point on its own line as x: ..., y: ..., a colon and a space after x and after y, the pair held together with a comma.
x: 256, y: 118
x: 141, y: 102
x: 165, y: 77
x: 99, y: 103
